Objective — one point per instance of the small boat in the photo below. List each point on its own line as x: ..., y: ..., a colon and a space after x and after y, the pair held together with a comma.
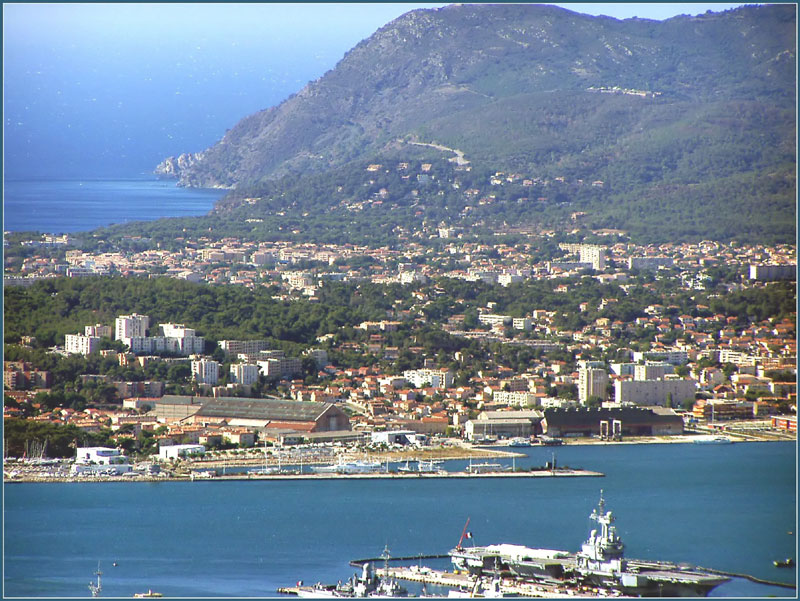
x: 262, y: 471
x: 549, y: 441
x: 484, y: 468
x: 405, y: 469
x: 360, y: 466
x: 713, y: 439
x: 784, y: 563
x: 148, y: 594
x: 519, y: 442
x: 432, y: 466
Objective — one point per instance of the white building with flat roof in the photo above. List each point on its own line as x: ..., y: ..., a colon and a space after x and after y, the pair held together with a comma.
x: 519, y: 398
x: 249, y: 347
x: 596, y: 255
x: 491, y: 319
x: 591, y: 382
x: 675, y: 357
x: 435, y: 378
x: 655, y: 392
x: 78, y: 344
x: 128, y: 326
x: 98, y: 330
x: 771, y: 273
x: 100, y: 460
x: 280, y: 367
x: 205, y: 371
x: 179, y: 451
x: 244, y: 373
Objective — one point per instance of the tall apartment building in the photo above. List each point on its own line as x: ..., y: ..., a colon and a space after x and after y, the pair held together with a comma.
x: 596, y: 255
x: 319, y: 355
x: 280, y: 367
x: 519, y: 398
x: 522, y: 323
x: 98, y: 330
x: 655, y: 392
x: 174, y: 338
x: 244, y: 373
x: 175, y: 330
x: 205, y: 371
x: 130, y: 326
x: 650, y: 371
x: 675, y: 357
x: 248, y: 347
x: 80, y: 344
x: 148, y: 389
x: 506, y: 279
x: 182, y: 340
x: 591, y: 382
x: 771, y: 273
x: 264, y: 257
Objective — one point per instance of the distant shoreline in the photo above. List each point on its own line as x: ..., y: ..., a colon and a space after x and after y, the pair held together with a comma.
x: 455, y: 454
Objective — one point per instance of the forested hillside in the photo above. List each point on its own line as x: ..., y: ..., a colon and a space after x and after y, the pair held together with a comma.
x: 688, y: 123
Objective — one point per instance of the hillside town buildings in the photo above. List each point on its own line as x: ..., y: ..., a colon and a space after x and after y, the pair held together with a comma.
x: 701, y: 366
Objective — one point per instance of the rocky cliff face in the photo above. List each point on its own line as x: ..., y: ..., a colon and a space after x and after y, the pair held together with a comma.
x: 515, y: 85
x: 177, y: 167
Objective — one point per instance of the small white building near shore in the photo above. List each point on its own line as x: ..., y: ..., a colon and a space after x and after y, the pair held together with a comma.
x: 100, y: 460
x: 179, y: 451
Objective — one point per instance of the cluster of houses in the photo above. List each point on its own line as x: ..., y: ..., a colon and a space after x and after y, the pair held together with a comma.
x: 252, y: 264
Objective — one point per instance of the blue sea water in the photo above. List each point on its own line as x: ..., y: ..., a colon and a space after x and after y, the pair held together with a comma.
x: 61, y: 206
x: 729, y: 507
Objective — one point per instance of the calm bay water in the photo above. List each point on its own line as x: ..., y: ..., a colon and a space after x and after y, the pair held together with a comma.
x: 729, y: 507
x: 60, y: 206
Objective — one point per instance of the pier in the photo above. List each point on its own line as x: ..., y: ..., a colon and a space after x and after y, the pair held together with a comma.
x: 558, y: 473
x: 62, y: 477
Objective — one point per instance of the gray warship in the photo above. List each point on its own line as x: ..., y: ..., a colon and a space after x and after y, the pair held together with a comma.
x: 600, y: 563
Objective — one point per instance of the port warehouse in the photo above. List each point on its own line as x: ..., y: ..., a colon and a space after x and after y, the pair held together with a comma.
x: 635, y: 421
x: 308, y: 416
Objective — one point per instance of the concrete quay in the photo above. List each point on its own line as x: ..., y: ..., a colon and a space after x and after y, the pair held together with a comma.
x: 558, y: 473
x: 61, y: 477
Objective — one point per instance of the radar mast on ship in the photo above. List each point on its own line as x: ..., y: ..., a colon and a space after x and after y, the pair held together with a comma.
x: 96, y: 589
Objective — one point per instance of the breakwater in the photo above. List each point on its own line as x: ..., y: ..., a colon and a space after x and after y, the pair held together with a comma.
x: 210, y: 477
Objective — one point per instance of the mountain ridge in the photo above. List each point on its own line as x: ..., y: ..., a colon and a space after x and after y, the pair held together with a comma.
x: 647, y: 106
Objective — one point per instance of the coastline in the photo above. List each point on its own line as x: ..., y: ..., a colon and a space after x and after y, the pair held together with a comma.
x: 201, y: 469
x: 542, y: 473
